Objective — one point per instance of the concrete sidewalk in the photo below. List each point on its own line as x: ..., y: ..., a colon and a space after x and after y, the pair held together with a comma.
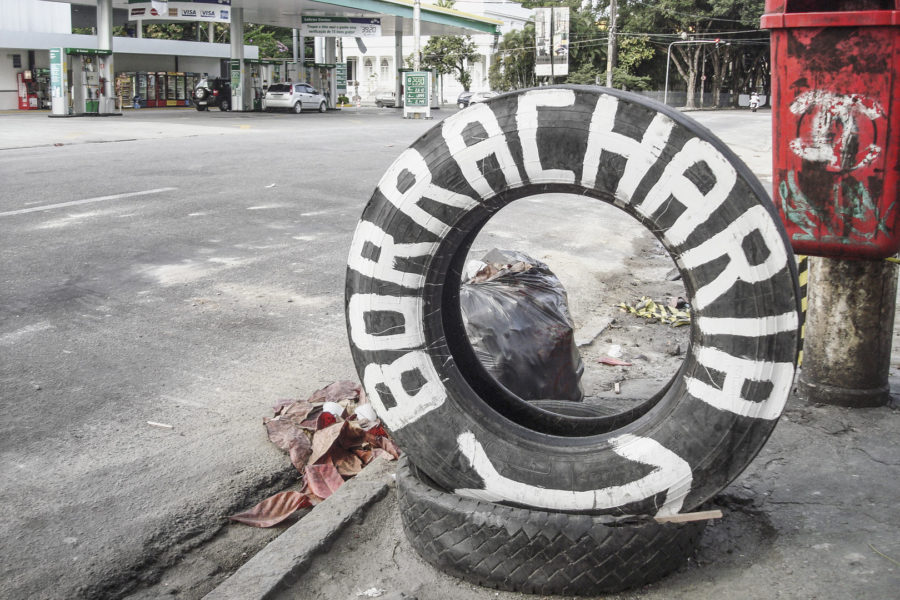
x: 814, y: 516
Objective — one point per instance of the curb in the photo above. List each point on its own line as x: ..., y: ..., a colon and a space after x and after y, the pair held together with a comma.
x: 281, y: 563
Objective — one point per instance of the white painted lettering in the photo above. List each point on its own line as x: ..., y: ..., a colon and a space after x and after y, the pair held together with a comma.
x: 402, y: 336
x: 468, y: 157
x: 409, y: 408
x: 729, y: 242
x: 673, y: 183
x: 411, y: 161
x: 672, y: 475
x: 738, y: 371
x: 640, y: 155
x: 527, y: 124
x: 748, y: 327
x: 385, y: 267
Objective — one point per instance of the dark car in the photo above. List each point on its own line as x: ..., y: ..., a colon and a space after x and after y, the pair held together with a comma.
x: 462, y: 100
x: 213, y: 91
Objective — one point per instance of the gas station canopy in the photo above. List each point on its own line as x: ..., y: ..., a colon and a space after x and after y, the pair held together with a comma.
x: 286, y: 13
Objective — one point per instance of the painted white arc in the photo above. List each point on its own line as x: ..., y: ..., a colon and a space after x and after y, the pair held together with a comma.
x: 22, y: 211
x: 672, y: 475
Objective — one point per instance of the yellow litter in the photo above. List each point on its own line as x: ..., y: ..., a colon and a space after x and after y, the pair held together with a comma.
x: 647, y: 308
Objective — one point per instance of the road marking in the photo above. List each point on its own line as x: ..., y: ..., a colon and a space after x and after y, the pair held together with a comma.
x: 13, y: 337
x: 85, y: 201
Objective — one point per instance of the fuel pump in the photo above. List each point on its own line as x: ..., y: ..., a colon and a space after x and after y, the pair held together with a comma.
x: 256, y: 84
x: 81, y: 81
x: 322, y: 78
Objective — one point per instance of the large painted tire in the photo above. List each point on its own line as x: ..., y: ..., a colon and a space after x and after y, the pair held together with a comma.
x: 535, y: 551
x: 473, y: 436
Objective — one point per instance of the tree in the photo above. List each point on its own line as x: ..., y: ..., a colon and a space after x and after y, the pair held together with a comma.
x: 700, y: 20
x: 451, y: 54
x: 513, y: 64
x: 273, y: 42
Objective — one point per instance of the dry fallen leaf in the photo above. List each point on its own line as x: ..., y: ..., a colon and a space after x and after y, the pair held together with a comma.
x: 347, y: 463
x: 388, y: 445
x: 282, y: 432
x: 324, y: 439
x: 299, y: 452
x: 339, y: 391
x: 323, y: 479
x: 364, y: 455
x: 281, y: 405
x: 273, y: 510
x: 323, y: 447
x: 297, y: 411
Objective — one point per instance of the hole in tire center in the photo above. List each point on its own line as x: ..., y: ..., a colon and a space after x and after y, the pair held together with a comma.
x: 602, y: 256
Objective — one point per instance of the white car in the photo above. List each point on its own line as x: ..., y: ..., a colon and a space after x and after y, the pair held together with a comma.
x: 295, y: 96
x: 481, y: 97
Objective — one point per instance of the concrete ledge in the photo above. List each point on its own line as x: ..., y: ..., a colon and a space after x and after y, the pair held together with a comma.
x: 285, y: 559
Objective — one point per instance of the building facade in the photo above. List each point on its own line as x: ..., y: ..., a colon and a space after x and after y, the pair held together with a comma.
x: 376, y: 68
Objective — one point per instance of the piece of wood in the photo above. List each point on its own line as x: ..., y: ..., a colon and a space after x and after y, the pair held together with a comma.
x: 687, y: 517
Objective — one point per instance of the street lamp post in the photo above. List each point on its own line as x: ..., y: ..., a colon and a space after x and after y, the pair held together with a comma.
x: 417, y: 20
x: 669, y: 55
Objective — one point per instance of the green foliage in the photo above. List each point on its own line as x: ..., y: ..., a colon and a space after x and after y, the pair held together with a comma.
x: 625, y: 80
x: 513, y: 64
x: 451, y: 55
x: 734, y: 21
x: 585, y: 75
x: 273, y: 42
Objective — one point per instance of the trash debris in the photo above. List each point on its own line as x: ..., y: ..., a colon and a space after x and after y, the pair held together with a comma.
x: 615, y: 362
x: 647, y: 308
x: 370, y: 593
x: 329, y: 437
x: 366, y: 417
x: 615, y: 351
x: 160, y: 425
x: 271, y: 185
x: 673, y: 275
x: 679, y: 303
x: 516, y: 314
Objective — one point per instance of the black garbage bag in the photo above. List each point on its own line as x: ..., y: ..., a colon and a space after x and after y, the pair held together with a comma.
x: 517, y: 318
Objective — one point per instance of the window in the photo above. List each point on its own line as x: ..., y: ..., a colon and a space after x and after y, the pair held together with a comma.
x: 369, y: 69
x: 385, y: 69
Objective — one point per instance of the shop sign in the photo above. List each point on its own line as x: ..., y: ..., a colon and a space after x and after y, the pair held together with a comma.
x: 340, y: 78
x: 340, y: 27
x: 57, y: 73
x: 213, y: 11
x: 416, y: 90
x: 235, y: 75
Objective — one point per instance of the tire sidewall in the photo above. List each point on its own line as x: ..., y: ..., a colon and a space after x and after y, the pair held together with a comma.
x: 709, y: 446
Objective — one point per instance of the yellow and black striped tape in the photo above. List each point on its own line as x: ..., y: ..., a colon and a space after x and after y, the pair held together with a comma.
x: 803, y: 277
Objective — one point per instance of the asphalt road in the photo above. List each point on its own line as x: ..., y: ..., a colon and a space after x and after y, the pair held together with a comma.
x: 182, y: 269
